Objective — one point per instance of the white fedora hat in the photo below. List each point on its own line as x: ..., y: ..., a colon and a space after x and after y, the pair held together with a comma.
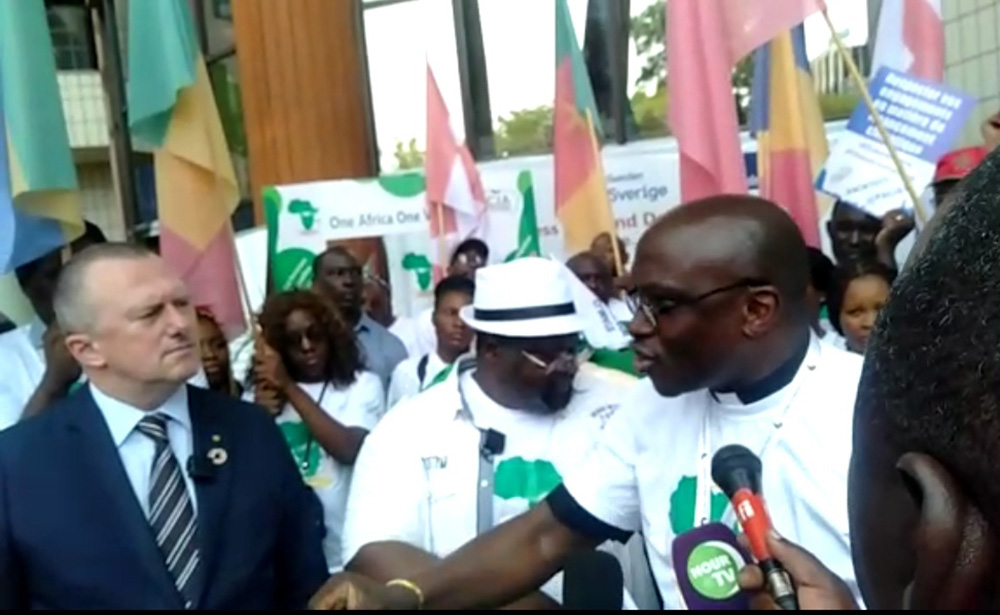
x: 527, y: 297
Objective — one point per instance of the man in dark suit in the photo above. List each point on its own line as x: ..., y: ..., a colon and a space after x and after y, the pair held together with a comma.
x: 141, y: 492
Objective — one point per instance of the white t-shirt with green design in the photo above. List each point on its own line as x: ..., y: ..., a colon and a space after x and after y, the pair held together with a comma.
x: 422, y: 463
x: 360, y: 405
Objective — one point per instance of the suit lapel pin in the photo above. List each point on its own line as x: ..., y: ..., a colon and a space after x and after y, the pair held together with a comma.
x: 218, y: 456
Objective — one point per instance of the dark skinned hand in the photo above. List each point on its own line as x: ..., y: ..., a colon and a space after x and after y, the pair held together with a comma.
x: 815, y: 586
x: 347, y: 591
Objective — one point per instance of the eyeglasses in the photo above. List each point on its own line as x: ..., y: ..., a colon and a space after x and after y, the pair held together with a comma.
x: 568, y: 359
x: 469, y: 259
x: 313, y: 335
x: 652, y: 312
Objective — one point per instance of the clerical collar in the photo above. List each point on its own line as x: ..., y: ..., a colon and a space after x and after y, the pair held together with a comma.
x: 776, y: 380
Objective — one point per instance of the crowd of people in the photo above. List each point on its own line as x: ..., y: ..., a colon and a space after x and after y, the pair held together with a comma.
x: 461, y: 457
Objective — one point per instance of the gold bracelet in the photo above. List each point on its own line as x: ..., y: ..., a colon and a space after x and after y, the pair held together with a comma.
x: 410, y: 585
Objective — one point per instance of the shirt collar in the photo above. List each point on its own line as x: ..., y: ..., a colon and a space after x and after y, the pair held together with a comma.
x: 123, y: 418
x: 365, y: 323
x: 801, y: 366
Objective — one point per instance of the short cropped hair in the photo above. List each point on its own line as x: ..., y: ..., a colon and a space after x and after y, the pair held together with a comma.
x: 453, y: 284
x: 339, y: 250
x: 821, y: 270
x: 72, y: 298
x: 932, y: 366
x: 472, y: 245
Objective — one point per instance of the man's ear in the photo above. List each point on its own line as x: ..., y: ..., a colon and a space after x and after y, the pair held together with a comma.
x: 954, y: 544
x: 761, y: 311
x: 85, y: 350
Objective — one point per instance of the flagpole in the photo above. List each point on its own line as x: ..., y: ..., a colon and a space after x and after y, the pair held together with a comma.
x: 109, y: 54
x: 612, y: 232
x: 852, y: 68
x: 442, y: 248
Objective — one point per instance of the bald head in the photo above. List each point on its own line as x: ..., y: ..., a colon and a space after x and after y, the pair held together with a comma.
x: 752, y: 238
x: 593, y: 271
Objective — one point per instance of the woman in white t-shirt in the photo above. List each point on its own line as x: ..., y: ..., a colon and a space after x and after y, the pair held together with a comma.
x: 309, y: 373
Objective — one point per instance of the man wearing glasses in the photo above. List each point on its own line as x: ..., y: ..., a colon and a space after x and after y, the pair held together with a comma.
x: 722, y: 333
x: 513, y: 420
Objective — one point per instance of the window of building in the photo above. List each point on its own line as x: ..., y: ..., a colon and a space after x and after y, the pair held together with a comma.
x: 401, y: 38
x: 72, y: 36
x: 519, y: 46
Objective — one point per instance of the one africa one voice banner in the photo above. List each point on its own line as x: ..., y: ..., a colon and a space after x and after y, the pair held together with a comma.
x: 304, y: 219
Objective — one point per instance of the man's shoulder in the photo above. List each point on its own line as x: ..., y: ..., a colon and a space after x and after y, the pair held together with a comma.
x: 421, y: 414
x: 407, y: 366
x: 23, y: 437
x: 227, y: 410
x: 840, y: 370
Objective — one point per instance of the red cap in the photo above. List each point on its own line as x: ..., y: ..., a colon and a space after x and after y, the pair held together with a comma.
x: 958, y: 164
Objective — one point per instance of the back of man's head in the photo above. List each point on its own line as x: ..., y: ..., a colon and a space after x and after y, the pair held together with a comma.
x: 927, y: 421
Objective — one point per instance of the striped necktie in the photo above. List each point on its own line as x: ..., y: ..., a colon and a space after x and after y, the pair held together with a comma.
x: 171, y: 513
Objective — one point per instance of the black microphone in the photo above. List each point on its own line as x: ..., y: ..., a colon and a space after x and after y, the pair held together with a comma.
x: 737, y: 471
x: 491, y: 442
x: 200, y: 469
x: 593, y: 581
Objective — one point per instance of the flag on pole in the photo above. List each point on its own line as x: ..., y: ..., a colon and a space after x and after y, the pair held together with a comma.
x: 791, y: 138
x: 39, y: 201
x: 172, y: 109
x: 705, y: 40
x: 456, y: 200
x: 910, y: 38
x: 527, y: 228
x: 581, y: 196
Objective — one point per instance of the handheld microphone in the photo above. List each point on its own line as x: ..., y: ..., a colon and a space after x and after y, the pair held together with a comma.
x: 593, y: 581
x: 200, y: 468
x: 737, y: 471
x: 707, y: 561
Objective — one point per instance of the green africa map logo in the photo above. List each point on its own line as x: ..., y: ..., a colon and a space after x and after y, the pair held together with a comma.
x: 682, y: 504
x: 518, y: 478
x: 305, y: 212
x: 527, y: 237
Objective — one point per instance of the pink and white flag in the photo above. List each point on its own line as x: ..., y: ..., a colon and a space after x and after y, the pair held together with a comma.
x: 705, y: 39
x: 910, y: 38
x: 452, y: 180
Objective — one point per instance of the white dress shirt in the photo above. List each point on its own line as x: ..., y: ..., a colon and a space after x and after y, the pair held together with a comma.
x: 406, y: 381
x: 137, y: 450
x: 22, y: 360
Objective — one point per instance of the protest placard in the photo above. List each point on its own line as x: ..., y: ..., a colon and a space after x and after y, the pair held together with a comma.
x: 922, y: 120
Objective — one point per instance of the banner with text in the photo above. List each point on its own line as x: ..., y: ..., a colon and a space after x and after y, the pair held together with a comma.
x: 303, y: 219
x: 923, y: 119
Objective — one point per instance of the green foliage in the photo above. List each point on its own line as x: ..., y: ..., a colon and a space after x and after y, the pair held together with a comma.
x: 528, y: 131
x: 838, y: 106
x: 649, y: 31
x: 650, y: 113
x: 408, y: 156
